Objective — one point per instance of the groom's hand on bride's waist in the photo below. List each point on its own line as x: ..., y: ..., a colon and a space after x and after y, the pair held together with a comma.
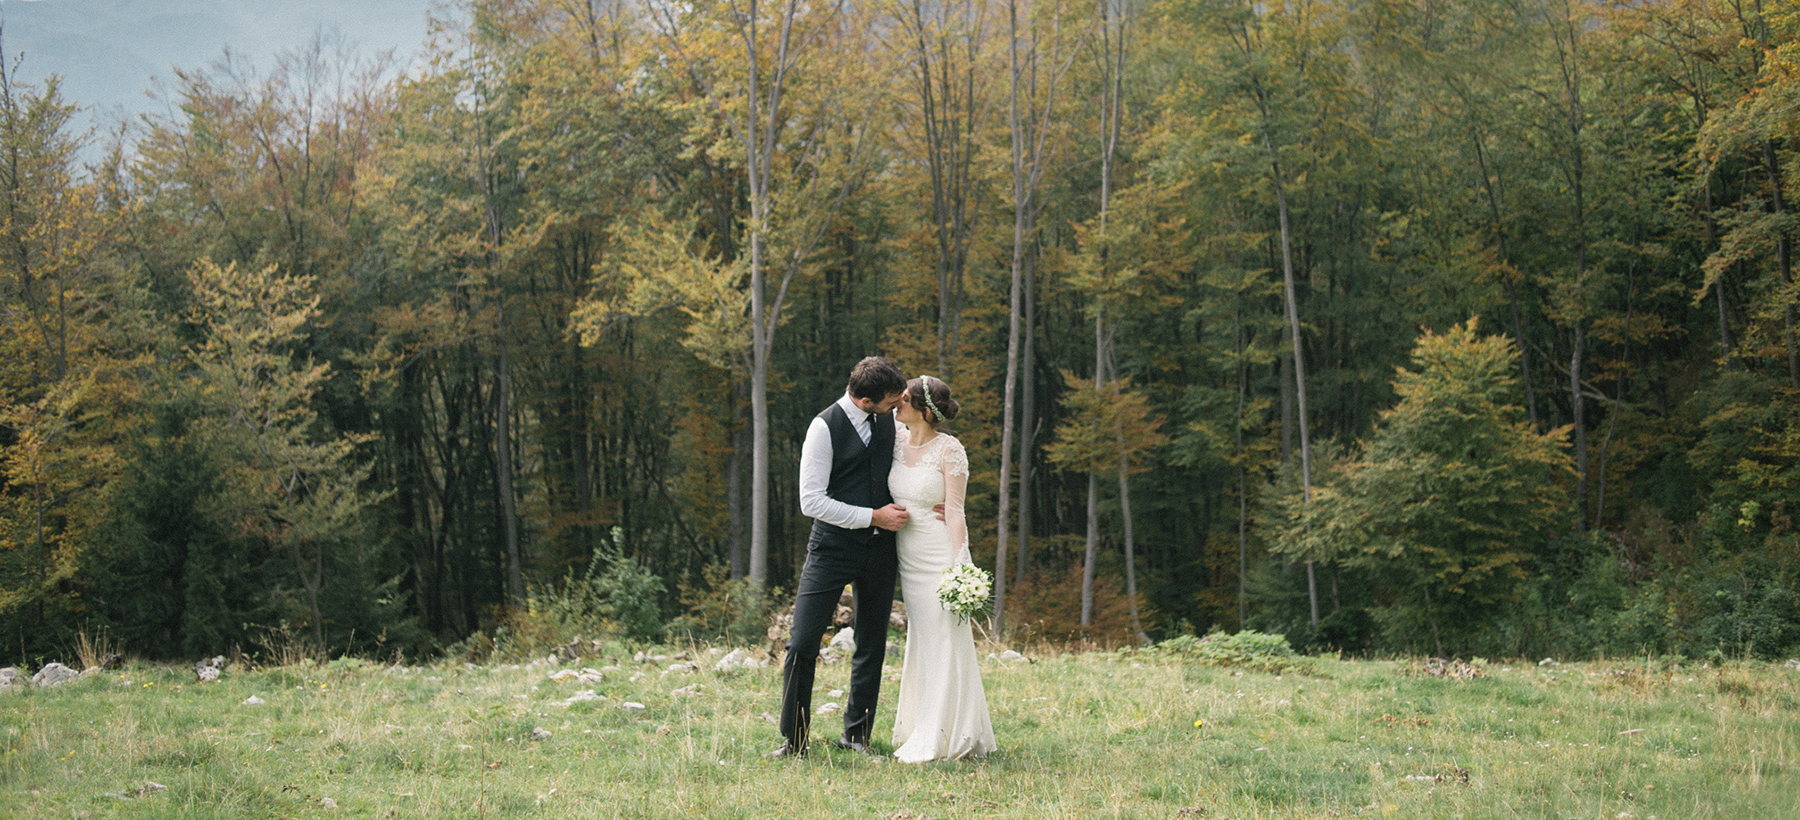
x: 939, y: 509
x: 891, y: 517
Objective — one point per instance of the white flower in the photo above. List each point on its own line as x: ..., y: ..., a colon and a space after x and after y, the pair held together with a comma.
x: 966, y: 591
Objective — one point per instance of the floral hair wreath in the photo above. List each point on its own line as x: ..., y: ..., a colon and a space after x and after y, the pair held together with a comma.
x: 925, y: 383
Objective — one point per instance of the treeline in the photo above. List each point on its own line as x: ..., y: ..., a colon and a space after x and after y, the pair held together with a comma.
x: 1403, y: 325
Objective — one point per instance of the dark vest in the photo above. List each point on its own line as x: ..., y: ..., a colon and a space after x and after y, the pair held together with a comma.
x: 859, y: 472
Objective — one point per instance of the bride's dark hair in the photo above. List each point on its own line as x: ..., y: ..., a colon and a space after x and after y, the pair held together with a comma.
x: 940, y: 397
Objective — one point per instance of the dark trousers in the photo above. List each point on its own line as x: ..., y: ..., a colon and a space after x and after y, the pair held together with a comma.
x: 832, y: 562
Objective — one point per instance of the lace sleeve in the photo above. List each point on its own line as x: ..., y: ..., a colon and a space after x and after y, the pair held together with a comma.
x: 956, y: 459
x: 955, y: 465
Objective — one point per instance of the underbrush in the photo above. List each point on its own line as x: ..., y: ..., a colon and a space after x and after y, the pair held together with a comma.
x: 1247, y: 649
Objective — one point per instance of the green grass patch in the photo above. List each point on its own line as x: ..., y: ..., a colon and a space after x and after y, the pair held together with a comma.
x: 1135, y: 735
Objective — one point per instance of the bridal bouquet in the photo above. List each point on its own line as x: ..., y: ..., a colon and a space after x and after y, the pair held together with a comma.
x: 967, y: 591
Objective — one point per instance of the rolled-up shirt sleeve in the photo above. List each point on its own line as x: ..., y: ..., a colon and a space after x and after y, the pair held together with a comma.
x: 815, y: 478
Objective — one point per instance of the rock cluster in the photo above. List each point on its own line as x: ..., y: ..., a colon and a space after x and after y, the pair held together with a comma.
x: 208, y: 670
x: 577, y: 648
x: 53, y: 674
x: 739, y: 659
x: 586, y: 675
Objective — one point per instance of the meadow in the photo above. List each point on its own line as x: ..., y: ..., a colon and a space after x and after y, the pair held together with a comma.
x: 1128, y: 735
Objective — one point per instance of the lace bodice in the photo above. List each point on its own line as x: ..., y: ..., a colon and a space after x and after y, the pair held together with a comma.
x: 936, y: 472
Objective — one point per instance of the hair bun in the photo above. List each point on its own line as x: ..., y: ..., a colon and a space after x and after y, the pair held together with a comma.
x: 947, y: 406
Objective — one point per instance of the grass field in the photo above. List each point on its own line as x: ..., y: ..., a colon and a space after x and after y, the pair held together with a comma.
x: 1081, y: 735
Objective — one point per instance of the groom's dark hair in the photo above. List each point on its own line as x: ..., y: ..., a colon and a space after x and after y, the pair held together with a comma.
x: 875, y: 378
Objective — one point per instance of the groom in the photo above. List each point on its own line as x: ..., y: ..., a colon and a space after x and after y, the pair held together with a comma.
x: 843, y: 488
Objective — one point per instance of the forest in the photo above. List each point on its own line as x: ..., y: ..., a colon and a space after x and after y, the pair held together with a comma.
x: 1450, y: 327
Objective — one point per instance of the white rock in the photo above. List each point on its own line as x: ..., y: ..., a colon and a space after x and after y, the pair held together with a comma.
x: 564, y: 674
x: 254, y: 701
x: 835, y: 693
x: 10, y: 678
x: 1793, y: 663
x: 589, y: 675
x: 327, y: 803
x: 630, y: 705
x: 1010, y: 655
x: 1547, y: 662
x: 829, y: 708
x: 540, y: 733
x: 844, y: 641
x: 609, y: 668
x: 583, y: 695
x: 640, y: 657
x: 732, y: 660
x: 207, y: 674
x: 739, y: 659
x: 53, y: 674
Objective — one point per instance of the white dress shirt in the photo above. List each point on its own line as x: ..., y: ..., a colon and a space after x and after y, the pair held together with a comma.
x: 815, y: 471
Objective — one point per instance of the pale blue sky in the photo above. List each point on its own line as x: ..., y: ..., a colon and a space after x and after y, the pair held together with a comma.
x: 107, y: 51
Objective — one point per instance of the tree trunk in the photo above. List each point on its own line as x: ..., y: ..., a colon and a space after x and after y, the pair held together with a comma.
x: 1570, y: 59
x: 1719, y: 283
x: 1578, y: 411
x: 759, y: 421
x: 948, y: 111
x: 1285, y: 376
x: 1021, y: 209
x: 1087, y: 563
x: 1112, y: 46
x: 1028, y: 424
x: 1003, y: 525
x: 1093, y: 495
x: 1724, y: 326
x: 734, y: 486
x: 1784, y: 253
x: 1512, y: 287
x: 515, y: 579
x: 1293, y: 312
x: 1137, y: 627
x: 1437, y: 637
x: 1237, y: 451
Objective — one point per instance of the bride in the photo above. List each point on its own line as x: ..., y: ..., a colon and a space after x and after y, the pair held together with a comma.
x: 943, y: 712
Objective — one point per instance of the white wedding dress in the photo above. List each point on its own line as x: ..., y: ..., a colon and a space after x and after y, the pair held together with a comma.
x: 943, y: 712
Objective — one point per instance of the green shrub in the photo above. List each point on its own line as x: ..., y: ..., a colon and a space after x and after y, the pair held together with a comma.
x: 615, y: 596
x: 1249, y: 649
x: 718, y: 608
